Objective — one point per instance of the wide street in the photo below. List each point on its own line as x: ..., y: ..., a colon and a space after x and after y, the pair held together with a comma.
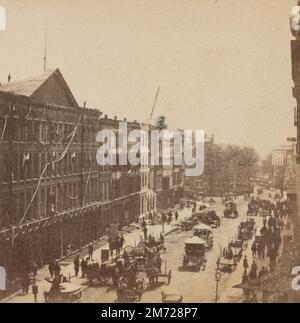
x: 193, y: 286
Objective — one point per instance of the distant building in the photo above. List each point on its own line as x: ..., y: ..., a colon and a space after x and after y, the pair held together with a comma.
x: 284, y: 161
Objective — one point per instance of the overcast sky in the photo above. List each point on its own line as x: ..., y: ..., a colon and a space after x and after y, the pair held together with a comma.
x: 222, y: 65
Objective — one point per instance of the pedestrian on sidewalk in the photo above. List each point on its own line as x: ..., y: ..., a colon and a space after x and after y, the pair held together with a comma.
x: 143, y: 224
x: 144, y: 228
x: 263, y: 272
x: 273, y: 256
x: 254, y: 250
x: 76, y: 265
x: 83, y: 266
x: 25, y: 284
x: 56, y: 268
x: 118, y: 245
x: 265, y: 221
x: 253, y: 273
x: 245, y: 265
x: 163, y: 221
x: 261, y: 250
x: 34, y: 268
x: 151, y: 217
x: 51, y: 268
x: 176, y: 215
x: 111, y: 245
x: 91, y: 251
x: 121, y: 242
x: 263, y: 230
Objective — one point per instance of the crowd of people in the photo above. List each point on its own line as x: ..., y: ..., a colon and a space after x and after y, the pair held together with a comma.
x: 267, y: 242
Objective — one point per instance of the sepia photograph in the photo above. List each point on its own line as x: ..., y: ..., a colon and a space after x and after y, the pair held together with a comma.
x: 149, y: 153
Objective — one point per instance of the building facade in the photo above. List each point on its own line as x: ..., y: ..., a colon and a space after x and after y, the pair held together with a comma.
x: 54, y: 197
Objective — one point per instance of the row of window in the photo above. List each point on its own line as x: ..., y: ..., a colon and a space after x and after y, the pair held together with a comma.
x: 36, y: 130
x: 24, y: 166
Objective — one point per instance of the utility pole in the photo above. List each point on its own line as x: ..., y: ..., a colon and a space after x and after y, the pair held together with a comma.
x: 218, y: 278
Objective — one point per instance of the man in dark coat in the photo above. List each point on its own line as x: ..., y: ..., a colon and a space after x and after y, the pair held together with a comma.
x: 254, y: 249
x: 245, y: 264
x: 76, y: 265
x: 91, y: 251
x: 83, y: 266
x: 25, y: 284
x: 56, y: 268
x: 122, y: 242
x: 51, y: 268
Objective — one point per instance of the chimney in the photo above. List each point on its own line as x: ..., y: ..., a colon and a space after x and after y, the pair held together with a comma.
x: 8, y: 78
x: 115, y: 118
x: 105, y: 116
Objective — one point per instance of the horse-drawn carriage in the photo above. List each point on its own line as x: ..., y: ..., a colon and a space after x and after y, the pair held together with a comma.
x: 194, y: 257
x: 131, y: 284
x: 204, y: 232
x: 144, y: 251
x: 252, y: 209
x: 260, y: 207
x: 231, y: 256
x: 188, y: 223
x: 101, y: 273
x: 210, y: 218
x: 230, y: 210
x: 246, y: 230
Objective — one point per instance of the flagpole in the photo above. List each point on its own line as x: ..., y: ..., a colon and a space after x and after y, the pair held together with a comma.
x: 45, y: 49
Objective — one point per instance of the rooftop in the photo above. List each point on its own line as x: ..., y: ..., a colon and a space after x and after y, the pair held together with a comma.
x: 26, y: 86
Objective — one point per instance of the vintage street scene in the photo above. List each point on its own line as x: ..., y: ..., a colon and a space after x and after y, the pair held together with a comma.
x: 150, y: 151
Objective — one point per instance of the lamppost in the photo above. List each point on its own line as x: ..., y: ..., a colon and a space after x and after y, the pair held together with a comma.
x: 218, y: 276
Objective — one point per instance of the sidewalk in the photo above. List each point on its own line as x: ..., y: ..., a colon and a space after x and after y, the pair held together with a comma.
x: 67, y: 267
x: 235, y: 295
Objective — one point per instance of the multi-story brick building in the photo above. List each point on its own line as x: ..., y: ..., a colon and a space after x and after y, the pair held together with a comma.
x: 54, y: 197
